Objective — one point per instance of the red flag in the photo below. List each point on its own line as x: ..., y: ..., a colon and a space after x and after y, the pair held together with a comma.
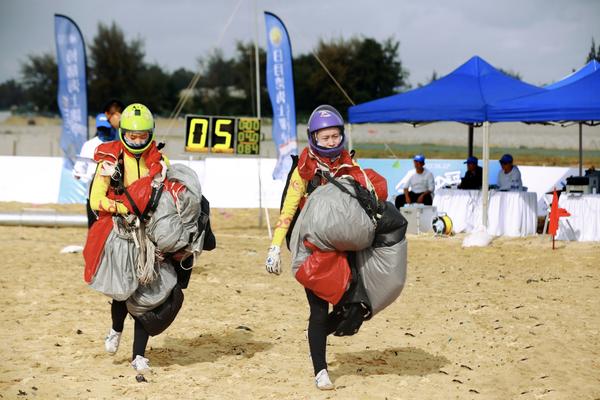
x: 555, y: 214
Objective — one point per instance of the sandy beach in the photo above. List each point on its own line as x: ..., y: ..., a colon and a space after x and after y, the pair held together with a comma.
x: 511, y: 321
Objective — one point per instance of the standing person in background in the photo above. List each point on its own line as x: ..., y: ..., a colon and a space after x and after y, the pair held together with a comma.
x: 509, y: 177
x: 473, y: 177
x: 85, y: 166
x: 420, y: 183
x: 107, y: 125
x: 113, y: 109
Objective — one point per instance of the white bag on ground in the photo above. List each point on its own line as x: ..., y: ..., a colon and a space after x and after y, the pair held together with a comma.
x: 479, y: 237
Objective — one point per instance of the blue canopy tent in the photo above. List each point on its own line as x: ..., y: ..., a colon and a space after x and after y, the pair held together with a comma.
x: 461, y: 96
x: 464, y: 96
x: 580, y: 73
x: 578, y: 101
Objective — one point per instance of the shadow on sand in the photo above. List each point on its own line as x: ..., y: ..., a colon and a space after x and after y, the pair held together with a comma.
x: 207, y: 347
x: 392, y: 361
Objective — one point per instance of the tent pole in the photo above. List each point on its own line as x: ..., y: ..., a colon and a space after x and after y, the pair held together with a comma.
x: 470, y: 140
x: 350, y: 148
x: 580, y: 149
x: 485, y: 182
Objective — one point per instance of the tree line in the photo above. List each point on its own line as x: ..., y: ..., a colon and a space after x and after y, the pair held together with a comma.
x: 367, y: 69
x: 117, y: 68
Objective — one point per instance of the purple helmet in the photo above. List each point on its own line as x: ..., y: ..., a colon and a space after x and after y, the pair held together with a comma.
x: 325, y: 116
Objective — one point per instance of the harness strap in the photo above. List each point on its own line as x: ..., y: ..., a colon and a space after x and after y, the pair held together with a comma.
x: 153, y: 203
x: 366, y: 199
x: 136, y: 210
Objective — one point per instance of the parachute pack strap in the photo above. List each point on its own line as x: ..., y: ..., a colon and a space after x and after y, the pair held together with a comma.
x: 136, y: 210
x: 368, y: 201
x: 153, y: 203
x: 339, y: 185
x: 117, y: 176
x: 289, y: 178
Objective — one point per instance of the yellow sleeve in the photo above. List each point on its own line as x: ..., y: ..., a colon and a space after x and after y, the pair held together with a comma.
x: 98, y: 199
x: 295, y: 192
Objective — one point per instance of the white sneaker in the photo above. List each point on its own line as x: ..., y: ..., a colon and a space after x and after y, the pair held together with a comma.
x: 111, y: 343
x: 140, y: 364
x: 322, y: 381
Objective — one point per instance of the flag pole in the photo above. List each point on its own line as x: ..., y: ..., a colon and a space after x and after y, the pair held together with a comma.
x: 258, y: 115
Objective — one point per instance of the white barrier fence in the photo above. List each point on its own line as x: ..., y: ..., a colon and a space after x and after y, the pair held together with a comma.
x: 228, y: 182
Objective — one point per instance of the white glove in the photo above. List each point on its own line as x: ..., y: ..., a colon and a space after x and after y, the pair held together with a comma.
x: 273, y: 263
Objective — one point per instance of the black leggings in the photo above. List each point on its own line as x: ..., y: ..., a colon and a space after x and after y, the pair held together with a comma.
x: 401, y: 200
x: 320, y: 325
x: 118, y: 311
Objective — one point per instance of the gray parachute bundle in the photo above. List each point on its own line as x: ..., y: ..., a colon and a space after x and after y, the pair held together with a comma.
x: 334, y: 220
x: 148, y: 297
x: 383, y: 273
x: 174, y: 225
x: 115, y: 275
x: 331, y: 220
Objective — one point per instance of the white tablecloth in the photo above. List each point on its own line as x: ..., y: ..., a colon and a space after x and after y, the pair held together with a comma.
x: 509, y: 213
x: 585, y: 217
x: 462, y: 206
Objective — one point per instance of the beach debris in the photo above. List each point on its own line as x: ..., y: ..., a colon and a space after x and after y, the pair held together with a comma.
x: 79, y: 331
x: 21, y: 393
x: 73, y: 248
x: 140, y: 378
x: 243, y: 327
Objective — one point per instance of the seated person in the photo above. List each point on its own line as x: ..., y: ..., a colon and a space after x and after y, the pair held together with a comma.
x: 474, y: 175
x: 509, y: 177
x: 420, y: 183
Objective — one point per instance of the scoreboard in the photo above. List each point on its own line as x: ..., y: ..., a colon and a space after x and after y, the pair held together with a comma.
x: 224, y: 135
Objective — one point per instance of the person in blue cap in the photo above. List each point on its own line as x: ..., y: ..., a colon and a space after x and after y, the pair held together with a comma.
x: 419, y: 187
x: 509, y: 177
x: 107, y: 124
x: 85, y: 167
x: 473, y: 177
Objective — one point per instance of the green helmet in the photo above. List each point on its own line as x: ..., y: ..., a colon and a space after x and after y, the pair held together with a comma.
x: 136, y: 117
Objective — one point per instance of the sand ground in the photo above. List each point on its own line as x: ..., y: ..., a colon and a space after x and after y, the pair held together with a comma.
x: 511, y: 321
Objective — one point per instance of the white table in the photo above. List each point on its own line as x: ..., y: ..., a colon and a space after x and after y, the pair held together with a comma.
x: 585, y: 217
x: 512, y: 213
x: 509, y: 213
x: 462, y: 206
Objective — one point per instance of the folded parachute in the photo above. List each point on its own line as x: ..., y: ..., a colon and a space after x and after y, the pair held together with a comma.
x: 175, y: 223
x: 333, y: 220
